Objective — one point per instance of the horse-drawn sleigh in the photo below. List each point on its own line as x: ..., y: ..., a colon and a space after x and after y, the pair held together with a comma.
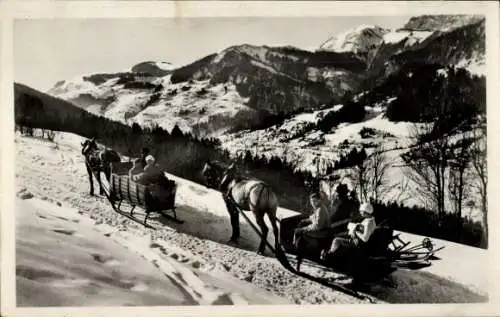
x: 122, y: 188
x: 384, y: 253
x: 158, y: 198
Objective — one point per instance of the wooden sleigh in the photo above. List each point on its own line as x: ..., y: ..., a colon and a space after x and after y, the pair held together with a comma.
x: 385, y: 252
x: 152, y: 198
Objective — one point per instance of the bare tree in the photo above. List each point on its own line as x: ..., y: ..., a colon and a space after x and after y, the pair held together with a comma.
x: 370, y: 175
x: 479, y: 166
x: 377, y: 184
x: 428, y: 164
x: 327, y: 187
x: 400, y: 189
x: 459, y: 163
x: 359, y: 173
x: 429, y: 158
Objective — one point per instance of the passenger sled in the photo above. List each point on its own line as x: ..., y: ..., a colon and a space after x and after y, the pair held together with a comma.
x: 384, y: 253
x: 123, y: 189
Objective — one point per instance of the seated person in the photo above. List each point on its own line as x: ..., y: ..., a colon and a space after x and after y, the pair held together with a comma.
x: 315, y: 226
x: 139, y: 163
x: 152, y: 173
x: 137, y: 168
x: 154, y: 177
x: 144, y: 154
x: 358, y: 233
x: 346, y: 209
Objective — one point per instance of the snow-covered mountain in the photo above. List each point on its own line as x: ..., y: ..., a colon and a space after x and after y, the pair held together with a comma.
x: 242, y: 86
x: 298, y: 139
x: 236, y: 88
x: 455, y: 40
x: 154, y: 68
x: 151, y: 100
x: 361, y: 40
x: 279, y: 79
x: 441, y: 22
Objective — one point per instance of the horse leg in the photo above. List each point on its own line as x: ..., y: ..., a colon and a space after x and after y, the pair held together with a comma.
x: 235, y: 224
x: 299, y: 245
x: 235, y: 220
x: 91, y: 180
x: 101, y: 190
x: 264, y: 230
x: 274, y: 223
x: 107, y: 172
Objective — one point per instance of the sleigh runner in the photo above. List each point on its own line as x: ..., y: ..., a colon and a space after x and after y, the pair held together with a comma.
x: 151, y: 197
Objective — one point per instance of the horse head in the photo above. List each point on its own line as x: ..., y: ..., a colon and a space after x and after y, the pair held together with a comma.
x: 89, y: 146
x: 229, y: 175
x: 208, y: 173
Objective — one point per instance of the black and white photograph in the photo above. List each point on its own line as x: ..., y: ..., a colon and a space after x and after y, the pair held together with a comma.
x: 251, y: 160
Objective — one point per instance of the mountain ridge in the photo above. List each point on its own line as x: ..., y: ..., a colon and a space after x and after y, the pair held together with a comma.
x: 274, y: 82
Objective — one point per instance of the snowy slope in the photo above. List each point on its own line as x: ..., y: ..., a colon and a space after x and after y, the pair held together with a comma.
x: 409, y: 37
x: 55, y: 173
x: 184, y: 104
x: 298, y: 140
x: 299, y: 143
x: 112, y: 268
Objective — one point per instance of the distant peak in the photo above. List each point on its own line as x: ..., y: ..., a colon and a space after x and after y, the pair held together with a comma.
x: 360, y: 39
x: 155, y: 68
x: 441, y: 22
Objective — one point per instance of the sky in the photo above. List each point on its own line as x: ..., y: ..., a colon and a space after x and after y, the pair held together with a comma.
x: 49, y: 50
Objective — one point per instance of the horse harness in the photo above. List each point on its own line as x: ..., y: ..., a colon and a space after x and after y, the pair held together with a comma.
x: 246, y: 198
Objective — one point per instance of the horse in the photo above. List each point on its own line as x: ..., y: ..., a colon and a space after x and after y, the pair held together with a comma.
x: 98, y: 160
x: 244, y: 194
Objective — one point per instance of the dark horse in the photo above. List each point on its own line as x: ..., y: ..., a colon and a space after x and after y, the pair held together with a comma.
x: 100, y: 161
x: 244, y: 194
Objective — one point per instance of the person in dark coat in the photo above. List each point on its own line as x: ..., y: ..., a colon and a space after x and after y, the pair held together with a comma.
x: 152, y: 173
x: 348, y: 208
x: 144, y: 154
x: 154, y: 177
x: 137, y: 168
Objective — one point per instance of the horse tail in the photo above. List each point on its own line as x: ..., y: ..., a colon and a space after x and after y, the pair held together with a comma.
x: 270, y: 199
x: 269, y: 203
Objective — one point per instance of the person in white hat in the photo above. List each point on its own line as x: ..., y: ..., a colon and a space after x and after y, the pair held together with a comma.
x: 357, y: 233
